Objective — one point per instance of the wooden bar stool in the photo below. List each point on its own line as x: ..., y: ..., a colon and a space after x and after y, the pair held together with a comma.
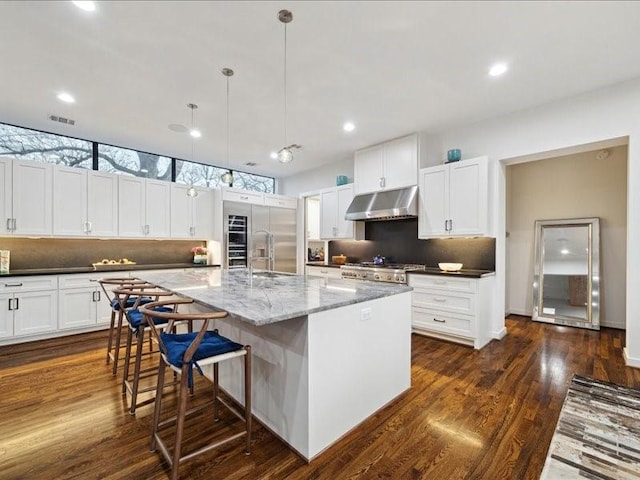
x: 115, y: 329
x: 181, y: 352
x: 130, y: 297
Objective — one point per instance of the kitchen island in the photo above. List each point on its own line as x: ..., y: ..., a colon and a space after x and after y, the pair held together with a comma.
x: 327, y: 353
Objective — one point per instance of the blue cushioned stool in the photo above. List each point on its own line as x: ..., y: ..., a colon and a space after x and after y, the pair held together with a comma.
x: 115, y: 328
x: 138, y: 325
x: 181, y: 352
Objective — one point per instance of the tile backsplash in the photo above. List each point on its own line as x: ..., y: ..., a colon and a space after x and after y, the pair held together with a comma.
x: 397, y: 241
x: 60, y: 253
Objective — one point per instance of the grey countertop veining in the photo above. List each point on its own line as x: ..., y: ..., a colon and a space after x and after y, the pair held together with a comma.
x: 262, y: 300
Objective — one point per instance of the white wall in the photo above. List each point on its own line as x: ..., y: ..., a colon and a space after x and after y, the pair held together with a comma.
x: 574, y: 186
x: 553, y: 130
x: 311, y: 180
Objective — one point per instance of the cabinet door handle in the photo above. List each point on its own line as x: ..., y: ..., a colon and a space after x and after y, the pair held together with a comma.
x: 146, y: 230
x: 15, y: 224
x: 13, y: 284
x: 9, y: 222
x: 450, y: 225
x: 17, y: 304
x: 382, y: 181
x: 89, y: 227
x: 439, y: 299
x: 10, y: 304
x: 439, y: 321
x: 244, y: 197
x: 96, y: 296
x: 192, y: 231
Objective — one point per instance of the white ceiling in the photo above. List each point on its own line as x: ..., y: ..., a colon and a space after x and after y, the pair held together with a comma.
x: 390, y: 67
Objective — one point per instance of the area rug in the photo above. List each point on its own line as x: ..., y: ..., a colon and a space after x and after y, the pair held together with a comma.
x: 597, y: 435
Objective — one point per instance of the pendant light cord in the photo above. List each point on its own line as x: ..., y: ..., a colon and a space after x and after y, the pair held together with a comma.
x: 192, y: 109
x: 227, y: 123
x: 285, y: 87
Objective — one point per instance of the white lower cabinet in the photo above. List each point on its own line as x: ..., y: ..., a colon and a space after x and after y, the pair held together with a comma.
x: 81, y: 302
x: 452, y: 308
x: 327, y: 272
x: 29, y: 306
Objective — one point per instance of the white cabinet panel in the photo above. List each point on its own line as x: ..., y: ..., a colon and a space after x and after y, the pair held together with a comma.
x: 131, y: 207
x: 102, y: 206
x: 454, y: 199
x: 390, y: 165
x: 6, y: 315
x: 243, y: 196
x: 333, y: 205
x: 326, y: 272
x: 6, y: 196
x: 281, y: 201
x: 158, y: 207
x: 32, y: 198
x: 368, y: 169
x: 77, y: 307
x: 192, y: 217
x: 144, y: 208
x: 36, y: 312
x: 69, y: 201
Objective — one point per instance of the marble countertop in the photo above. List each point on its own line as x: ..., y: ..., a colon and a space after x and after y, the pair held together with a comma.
x: 264, y: 300
x: 114, y: 268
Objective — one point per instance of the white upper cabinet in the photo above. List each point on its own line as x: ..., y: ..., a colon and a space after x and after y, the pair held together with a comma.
x: 102, y: 204
x: 243, y: 196
x: 387, y: 166
x: 84, y: 202
x: 143, y: 208
x: 27, y: 197
x: 280, y: 201
x: 333, y: 205
x: 191, y: 217
x: 454, y: 199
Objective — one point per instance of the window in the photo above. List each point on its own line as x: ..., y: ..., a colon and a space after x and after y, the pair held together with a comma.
x: 250, y: 181
x: 131, y: 162
x: 43, y: 147
x: 191, y: 173
x: 27, y: 144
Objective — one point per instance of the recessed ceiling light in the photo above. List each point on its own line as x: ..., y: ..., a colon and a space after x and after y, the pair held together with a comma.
x: 274, y: 155
x: 177, y: 127
x: 349, y: 127
x: 87, y: 6
x: 498, y: 69
x: 564, y: 251
x: 195, y: 133
x: 66, y: 97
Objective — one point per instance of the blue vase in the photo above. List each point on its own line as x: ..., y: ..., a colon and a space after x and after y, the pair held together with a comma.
x: 454, y: 155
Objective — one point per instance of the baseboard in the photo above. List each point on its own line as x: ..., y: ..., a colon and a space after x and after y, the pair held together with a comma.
x: 629, y: 361
x: 517, y: 311
x: 500, y: 334
x: 620, y: 326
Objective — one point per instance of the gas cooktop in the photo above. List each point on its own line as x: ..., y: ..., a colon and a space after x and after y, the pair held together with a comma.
x: 390, y: 272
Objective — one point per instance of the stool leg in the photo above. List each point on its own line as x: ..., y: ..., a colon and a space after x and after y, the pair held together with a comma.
x: 110, y: 340
x: 216, y: 417
x: 157, y: 407
x: 182, y: 408
x: 127, y: 359
x: 136, y: 371
x: 116, y: 353
x: 247, y: 397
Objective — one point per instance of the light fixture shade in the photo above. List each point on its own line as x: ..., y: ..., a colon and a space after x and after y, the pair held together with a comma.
x: 285, y: 155
x: 192, y: 192
x: 227, y: 177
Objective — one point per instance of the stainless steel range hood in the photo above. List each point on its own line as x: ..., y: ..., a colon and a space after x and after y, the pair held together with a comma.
x: 385, y: 205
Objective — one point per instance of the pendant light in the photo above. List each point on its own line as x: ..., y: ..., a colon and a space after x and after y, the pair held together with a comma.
x: 284, y: 154
x: 191, y: 191
x: 227, y: 177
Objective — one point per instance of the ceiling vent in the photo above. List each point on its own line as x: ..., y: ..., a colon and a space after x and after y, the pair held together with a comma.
x: 251, y: 164
x: 66, y: 121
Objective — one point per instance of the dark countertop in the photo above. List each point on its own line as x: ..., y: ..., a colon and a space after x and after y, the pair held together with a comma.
x: 322, y: 264
x: 117, y: 268
x: 468, y: 273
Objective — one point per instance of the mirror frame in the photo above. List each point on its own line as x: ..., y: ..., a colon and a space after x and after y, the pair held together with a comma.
x: 593, y: 288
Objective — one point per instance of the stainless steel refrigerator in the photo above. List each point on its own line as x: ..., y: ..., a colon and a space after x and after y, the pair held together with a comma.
x: 265, y: 236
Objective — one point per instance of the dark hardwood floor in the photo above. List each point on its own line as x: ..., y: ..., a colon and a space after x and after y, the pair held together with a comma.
x: 486, y: 414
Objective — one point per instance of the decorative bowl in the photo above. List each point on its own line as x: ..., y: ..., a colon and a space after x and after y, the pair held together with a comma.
x: 339, y: 259
x: 450, y: 267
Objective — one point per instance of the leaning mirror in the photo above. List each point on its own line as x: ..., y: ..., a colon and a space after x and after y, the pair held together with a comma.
x: 566, y: 282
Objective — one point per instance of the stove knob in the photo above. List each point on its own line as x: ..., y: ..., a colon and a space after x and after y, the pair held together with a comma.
x: 363, y: 275
x: 388, y: 277
x: 376, y: 276
x: 401, y: 278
